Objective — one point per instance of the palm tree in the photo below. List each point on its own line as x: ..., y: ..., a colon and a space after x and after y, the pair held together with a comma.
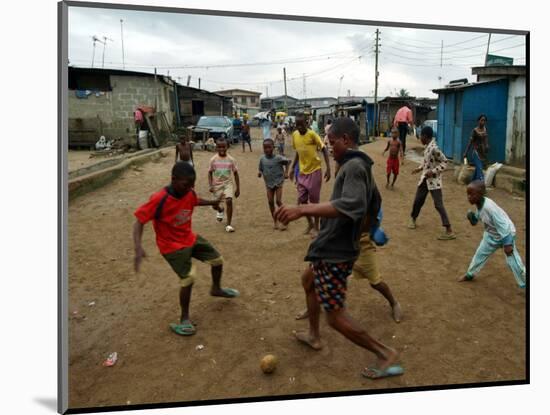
x: 403, y: 93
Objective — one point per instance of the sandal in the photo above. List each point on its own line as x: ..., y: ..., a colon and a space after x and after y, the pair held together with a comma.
x: 183, y: 329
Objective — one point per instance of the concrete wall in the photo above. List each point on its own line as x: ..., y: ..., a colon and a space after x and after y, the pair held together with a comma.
x: 114, y: 111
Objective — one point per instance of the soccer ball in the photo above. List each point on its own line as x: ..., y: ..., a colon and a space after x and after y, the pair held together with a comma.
x: 268, y: 363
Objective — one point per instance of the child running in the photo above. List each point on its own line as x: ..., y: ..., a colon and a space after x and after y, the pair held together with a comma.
x: 271, y: 168
x: 396, y: 152
x: 333, y: 253
x: 245, y: 136
x: 431, y: 181
x: 220, y: 182
x: 184, y: 151
x: 500, y: 232
x: 171, y: 210
x: 280, y: 140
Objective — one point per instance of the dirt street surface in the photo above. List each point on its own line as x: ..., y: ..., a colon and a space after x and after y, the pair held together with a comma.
x: 451, y: 333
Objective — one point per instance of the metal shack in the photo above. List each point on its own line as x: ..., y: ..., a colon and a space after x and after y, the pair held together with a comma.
x: 458, y: 110
x: 194, y: 103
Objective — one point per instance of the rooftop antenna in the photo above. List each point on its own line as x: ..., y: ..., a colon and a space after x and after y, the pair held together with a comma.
x: 105, y: 39
x: 95, y: 39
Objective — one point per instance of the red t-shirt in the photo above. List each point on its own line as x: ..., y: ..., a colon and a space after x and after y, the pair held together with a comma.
x: 173, y: 228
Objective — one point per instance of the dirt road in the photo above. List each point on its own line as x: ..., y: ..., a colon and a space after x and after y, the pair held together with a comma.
x: 451, y: 333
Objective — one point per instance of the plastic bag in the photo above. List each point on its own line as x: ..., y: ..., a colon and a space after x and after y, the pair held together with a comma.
x: 491, y: 172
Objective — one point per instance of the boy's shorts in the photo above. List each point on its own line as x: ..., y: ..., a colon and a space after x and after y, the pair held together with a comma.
x: 224, y: 191
x: 331, y: 283
x: 392, y: 165
x: 366, y: 266
x: 181, y: 263
x: 309, y: 187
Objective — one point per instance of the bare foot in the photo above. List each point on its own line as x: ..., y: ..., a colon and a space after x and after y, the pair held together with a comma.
x: 283, y: 227
x: 306, y: 338
x: 314, y: 234
x: 396, y: 312
x: 275, y: 226
x: 302, y: 315
x: 382, y: 364
x: 308, y: 230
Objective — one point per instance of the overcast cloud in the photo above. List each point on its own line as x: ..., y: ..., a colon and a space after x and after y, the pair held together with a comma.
x: 332, y: 58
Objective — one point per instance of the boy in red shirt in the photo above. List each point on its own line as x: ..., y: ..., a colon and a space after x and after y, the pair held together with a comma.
x: 171, y: 210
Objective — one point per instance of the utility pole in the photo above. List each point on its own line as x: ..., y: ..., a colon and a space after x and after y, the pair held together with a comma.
x: 122, y: 40
x: 376, y: 50
x: 304, y: 85
x: 284, y: 77
x: 441, y: 64
x: 105, y: 39
x: 487, y: 53
x: 199, y: 83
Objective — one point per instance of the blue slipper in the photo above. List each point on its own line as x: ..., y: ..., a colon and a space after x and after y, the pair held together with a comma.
x: 228, y: 293
x: 183, y: 329
x: 394, y: 370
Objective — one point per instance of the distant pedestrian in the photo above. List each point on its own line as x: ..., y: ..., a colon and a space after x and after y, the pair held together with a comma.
x: 431, y: 181
x: 266, y: 127
x: 280, y: 139
x: 245, y: 135
x: 403, y: 118
x: 326, y: 141
x: 478, y: 147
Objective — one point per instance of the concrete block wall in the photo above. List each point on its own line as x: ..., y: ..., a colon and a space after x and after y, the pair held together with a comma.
x: 116, y: 108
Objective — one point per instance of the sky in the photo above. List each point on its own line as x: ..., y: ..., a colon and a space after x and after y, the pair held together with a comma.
x: 321, y: 59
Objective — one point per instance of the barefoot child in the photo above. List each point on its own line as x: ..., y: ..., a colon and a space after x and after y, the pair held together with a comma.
x: 221, y: 184
x: 171, y: 210
x: 499, y: 232
x: 245, y: 136
x: 333, y: 253
x: 271, y: 168
x: 184, y: 151
x: 396, y: 152
x: 431, y: 181
x: 366, y: 267
x: 280, y: 141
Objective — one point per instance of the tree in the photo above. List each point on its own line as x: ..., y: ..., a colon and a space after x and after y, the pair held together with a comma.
x: 403, y: 93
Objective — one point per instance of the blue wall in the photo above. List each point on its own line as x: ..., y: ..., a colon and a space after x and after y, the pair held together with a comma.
x: 457, y: 116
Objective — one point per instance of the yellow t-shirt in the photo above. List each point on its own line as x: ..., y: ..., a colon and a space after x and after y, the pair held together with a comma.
x: 307, y: 147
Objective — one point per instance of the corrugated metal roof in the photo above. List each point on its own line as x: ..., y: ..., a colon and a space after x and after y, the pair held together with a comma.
x: 464, y: 86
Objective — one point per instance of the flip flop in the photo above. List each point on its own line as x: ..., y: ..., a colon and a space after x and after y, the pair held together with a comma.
x: 446, y: 237
x: 229, y: 293
x: 183, y: 329
x: 394, y: 370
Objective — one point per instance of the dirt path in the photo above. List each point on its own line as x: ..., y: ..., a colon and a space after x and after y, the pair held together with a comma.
x: 451, y: 333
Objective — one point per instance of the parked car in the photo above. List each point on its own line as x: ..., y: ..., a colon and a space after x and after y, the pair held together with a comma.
x: 217, y: 126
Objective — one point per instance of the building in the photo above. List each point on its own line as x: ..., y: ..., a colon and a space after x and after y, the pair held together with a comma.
x: 103, y: 101
x: 516, y: 136
x: 194, y: 103
x: 280, y: 102
x: 459, y: 107
x: 244, y: 102
x: 321, y: 102
x: 423, y: 109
